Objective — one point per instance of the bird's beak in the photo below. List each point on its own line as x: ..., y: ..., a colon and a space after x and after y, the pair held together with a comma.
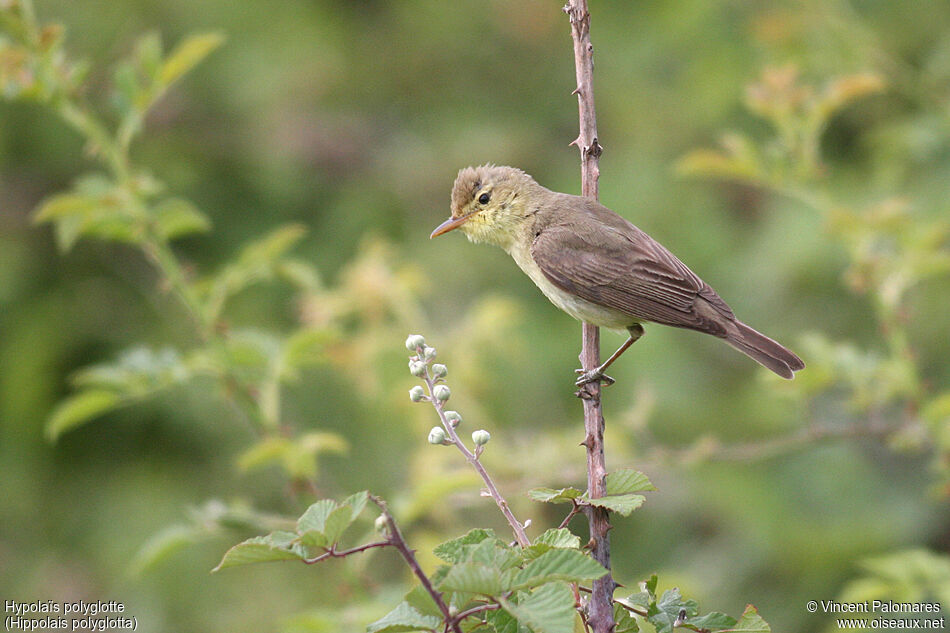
x: 448, y: 225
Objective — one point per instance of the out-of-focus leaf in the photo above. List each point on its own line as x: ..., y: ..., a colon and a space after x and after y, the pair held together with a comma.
x: 164, y: 544
x: 187, y: 55
x: 297, y: 456
x: 80, y: 408
x: 304, y: 347
x: 750, y: 622
x: 177, y: 217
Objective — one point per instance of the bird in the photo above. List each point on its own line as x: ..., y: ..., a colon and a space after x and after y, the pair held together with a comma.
x: 597, y: 266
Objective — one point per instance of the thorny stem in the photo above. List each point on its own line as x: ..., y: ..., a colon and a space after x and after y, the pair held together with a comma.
x: 600, y: 616
x: 516, y: 526
x: 396, y: 540
x: 332, y: 553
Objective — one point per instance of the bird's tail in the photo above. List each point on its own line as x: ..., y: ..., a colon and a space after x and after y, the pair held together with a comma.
x: 764, y: 350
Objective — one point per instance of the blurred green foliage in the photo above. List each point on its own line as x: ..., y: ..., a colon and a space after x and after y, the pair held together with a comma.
x: 344, y: 123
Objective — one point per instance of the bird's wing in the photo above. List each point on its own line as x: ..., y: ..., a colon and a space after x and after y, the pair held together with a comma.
x: 615, y: 264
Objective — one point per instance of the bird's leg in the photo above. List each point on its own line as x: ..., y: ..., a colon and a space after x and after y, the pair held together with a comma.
x: 636, y: 331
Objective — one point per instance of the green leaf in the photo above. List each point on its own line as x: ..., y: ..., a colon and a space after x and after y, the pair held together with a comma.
x: 621, y: 504
x: 548, y: 609
x: 750, y: 622
x: 625, y: 622
x: 456, y: 550
x: 421, y: 600
x: 187, y: 55
x: 504, y: 622
x: 276, y: 546
x: 176, y: 217
x: 476, y: 578
x: 306, y: 346
x: 550, y: 495
x: 405, y: 618
x: 552, y: 539
x: 626, y: 481
x: 714, y: 621
x: 559, y: 537
x: 80, y: 408
x: 666, y: 610
x: 570, y: 565
x: 162, y: 545
x: 312, y: 524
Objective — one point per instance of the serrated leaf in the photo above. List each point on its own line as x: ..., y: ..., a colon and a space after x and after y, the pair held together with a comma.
x: 455, y: 551
x: 714, y: 621
x: 421, y: 600
x: 666, y: 610
x: 313, y: 522
x: 177, y: 217
x: 548, y: 609
x: 262, y: 549
x: 550, y: 495
x: 79, y: 409
x: 621, y: 504
x: 552, y: 539
x: 569, y: 565
x: 559, y: 537
x: 475, y: 578
x: 405, y: 618
x: 624, y: 621
x: 626, y: 481
x: 493, y: 553
x: 504, y: 622
x: 187, y: 55
x: 750, y: 622
x: 337, y: 522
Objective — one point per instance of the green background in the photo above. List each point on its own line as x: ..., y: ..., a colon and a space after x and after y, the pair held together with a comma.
x: 353, y: 118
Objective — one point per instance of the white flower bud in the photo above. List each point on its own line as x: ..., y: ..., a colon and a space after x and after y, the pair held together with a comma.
x: 439, y: 370
x: 417, y: 393
x: 481, y: 437
x: 417, y: 368
x: 381, y: 524
x: 436, y: 435
x: 442, y: 392
x: 428, y: 352
x: 414, y: 342
x: 454, y: 418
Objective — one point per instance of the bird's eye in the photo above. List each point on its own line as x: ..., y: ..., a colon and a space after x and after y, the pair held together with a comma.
x: 484, y: 198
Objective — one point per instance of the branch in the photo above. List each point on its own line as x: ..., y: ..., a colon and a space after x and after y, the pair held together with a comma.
x: 332, y: 553
x: 601, y: 616
x: 473, y: 458
x: 396, y: 540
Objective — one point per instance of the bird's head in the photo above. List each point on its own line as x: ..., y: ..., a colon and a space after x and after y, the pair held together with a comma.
x: 489, y: 204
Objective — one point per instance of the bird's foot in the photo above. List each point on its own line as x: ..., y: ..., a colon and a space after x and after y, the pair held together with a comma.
x: 594, y: 375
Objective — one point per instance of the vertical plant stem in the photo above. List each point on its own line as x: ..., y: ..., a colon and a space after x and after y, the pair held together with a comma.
x: 600, y: 616
x: 516, y: 526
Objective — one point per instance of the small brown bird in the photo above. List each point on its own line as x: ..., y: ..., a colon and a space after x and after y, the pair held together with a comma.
x: 597, y: 266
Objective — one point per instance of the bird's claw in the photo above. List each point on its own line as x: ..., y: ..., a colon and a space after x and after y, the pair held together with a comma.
x: 593, y: 375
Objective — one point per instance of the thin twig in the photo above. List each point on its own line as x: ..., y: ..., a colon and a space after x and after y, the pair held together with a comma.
x: 396, y: 540
x: 600, y: 616
x: 575, y: 510
x: 332, y: 553
x: 516, y: 526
